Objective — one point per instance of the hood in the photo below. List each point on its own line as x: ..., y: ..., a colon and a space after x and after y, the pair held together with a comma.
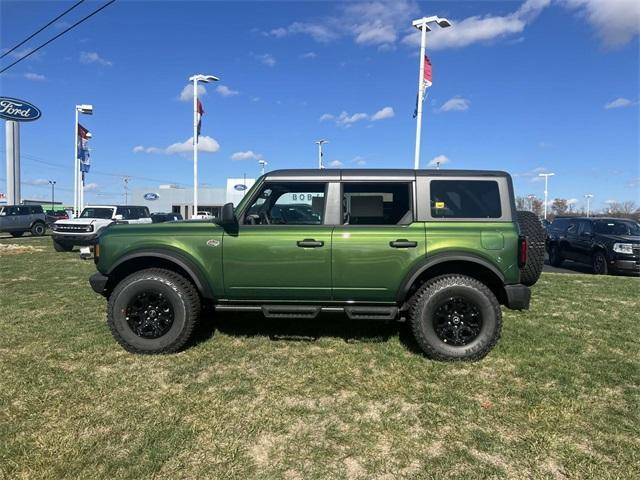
x: 82, y: 221
x: 621, y: 238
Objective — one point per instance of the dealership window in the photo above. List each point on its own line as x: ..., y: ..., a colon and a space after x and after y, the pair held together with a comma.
x: 465, y: 199
x: 288, y: 204
x: 377, y: 203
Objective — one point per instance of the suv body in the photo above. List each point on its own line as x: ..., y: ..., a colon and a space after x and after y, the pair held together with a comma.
x: 368, y: 243
x: 18, y: 219
x: 610, y: 245
x: 85, y: 229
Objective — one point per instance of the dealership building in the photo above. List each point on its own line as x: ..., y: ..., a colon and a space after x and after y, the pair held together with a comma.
x: 175, y: 199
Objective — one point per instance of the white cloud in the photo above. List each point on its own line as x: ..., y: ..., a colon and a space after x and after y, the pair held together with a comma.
x: 21, y: 53
x: 618, y: 103
x: 572, y: 201
x: 456, y: 104
x: 346, y: 120
x: 186, y: 95
x: 226, y: 91
x: 309, y: 55
x: 93, y: 57
x: 320, y: 33
x: 386, y: 112
x: 326, y: 116
x: 336, y: 164
x: 205, y: 145
x: 616, y: 21
x: 90, y: 187
x: 248, y: 155
x: 360, y: 161
x: 39, y: 181
x: 439, y: 160
x: 35, y: 77
x: 265, y: 58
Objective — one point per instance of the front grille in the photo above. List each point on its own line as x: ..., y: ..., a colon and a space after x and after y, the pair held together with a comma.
x: 71, y: 228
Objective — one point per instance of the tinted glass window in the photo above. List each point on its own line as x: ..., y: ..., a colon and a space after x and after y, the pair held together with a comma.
x: 92, y: 212
x: 465, y: 199
x: 585, y: 227
x: 36, y: 209
x: 288, y: 204
x: 24, y: 211
x: 377, y: 203
x: 617, y: 227
x: 572, y: 228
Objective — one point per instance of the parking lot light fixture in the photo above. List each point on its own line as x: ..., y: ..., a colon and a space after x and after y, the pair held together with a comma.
x: 53, y: 192
x: 546, y: 192
x: 588, y: 196
x: 262, y: 163
x: 320, y: 143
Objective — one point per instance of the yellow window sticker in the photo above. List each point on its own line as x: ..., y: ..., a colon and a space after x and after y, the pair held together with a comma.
x: 439, y: 204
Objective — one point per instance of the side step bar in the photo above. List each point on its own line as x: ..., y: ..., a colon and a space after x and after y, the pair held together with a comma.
x: 312, y: 311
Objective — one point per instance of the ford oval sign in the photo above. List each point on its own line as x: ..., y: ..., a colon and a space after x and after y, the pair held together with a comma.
x: 240, y: 187
x: 151, y: 196
x: 18, y: 110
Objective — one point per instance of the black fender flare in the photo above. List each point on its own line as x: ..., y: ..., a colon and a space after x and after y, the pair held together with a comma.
x: 437, y: 259
x: 173, y: 256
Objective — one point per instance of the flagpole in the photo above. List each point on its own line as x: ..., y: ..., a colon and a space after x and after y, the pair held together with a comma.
x: 195, y: 145
x: 423, y: 46
x: 75, y: 166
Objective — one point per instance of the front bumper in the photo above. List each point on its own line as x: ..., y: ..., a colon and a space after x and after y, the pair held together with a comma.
x: 98, y: 283
x: 518, y: 297
x: 631, y: 265
x: 75, y: 239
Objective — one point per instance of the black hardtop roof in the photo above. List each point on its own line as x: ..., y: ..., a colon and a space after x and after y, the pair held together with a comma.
x: 381, y: 172
x: 595, y: 219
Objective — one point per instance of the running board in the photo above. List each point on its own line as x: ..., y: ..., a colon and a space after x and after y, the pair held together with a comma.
x: 312, y: 311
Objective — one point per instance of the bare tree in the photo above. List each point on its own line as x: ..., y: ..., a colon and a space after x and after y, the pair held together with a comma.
x: 559, y: 207
x: 537, y: 206
x: 626, y: 209
x: 521, y: 203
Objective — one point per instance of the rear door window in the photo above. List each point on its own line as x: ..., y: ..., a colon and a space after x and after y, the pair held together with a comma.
x: 465, y: 199
x: 377, y: 203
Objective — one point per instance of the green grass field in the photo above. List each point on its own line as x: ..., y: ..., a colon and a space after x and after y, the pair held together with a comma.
x: 558, y: 398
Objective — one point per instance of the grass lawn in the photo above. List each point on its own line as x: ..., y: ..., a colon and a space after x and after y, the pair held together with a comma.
x: 558, y: 398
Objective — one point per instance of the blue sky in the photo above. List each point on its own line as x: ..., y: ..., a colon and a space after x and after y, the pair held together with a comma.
x: 527, y: 87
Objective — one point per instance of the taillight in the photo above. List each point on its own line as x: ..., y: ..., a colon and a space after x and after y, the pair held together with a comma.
x: 522, y: 251
x: 96, y: 253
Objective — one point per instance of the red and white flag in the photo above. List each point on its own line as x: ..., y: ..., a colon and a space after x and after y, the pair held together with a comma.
x: 200, y: 111
x: 426, y: 74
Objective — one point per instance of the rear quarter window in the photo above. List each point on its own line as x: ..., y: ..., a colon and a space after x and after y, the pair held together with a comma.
x: 465, y: 199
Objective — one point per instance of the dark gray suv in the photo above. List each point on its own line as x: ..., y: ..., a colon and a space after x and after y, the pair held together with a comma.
x: 18, y: 219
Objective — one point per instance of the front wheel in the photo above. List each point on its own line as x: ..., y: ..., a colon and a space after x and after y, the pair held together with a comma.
x: 153, y: 311
x: 62, y: 246
x: 599, y: 263
x: 456, y: 318
x: 38, y: 229
x: 555, y: 259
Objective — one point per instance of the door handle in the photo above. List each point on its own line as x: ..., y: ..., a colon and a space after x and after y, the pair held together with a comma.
x: 310, y: 243
x: 403, y: 243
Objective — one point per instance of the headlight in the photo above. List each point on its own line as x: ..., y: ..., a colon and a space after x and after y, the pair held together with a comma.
x: 623, y: 248
x: 89, y: 228
x: 54, y: 227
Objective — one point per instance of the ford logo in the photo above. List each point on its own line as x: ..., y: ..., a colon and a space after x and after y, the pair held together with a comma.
x: 240, y: 187
x: 151, y: 196
x: 18, y: 110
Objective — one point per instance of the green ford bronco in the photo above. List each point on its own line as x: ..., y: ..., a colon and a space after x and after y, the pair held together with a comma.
x: 440, y: 248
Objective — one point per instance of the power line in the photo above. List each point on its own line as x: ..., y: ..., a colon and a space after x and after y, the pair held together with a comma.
x: 58, y: 36
x: 35, y: 33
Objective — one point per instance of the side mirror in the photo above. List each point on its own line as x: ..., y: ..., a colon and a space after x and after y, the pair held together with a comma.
x: 227, y: 216
x: 118, y: 217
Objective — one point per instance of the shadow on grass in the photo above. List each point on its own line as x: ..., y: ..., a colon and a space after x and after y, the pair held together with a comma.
x: 254, y: 324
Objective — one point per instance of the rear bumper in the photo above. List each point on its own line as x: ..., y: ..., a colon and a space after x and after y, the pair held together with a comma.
x: 98, y: 283
x: 518, y: 297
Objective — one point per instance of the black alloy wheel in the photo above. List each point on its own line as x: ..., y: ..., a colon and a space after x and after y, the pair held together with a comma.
x: 150, y: 314
x: 457, y: 321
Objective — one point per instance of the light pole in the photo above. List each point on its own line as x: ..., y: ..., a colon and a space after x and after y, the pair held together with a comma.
x: 320, y: 143
x: 53, y: 194
x: 531, y: 196
x: 422, y: 24
x: 195, y: 79
x: 588, y: 196
x: 546, y: 192
x: 86, y: 110
x: 262, y: 163
x: 125, y: 182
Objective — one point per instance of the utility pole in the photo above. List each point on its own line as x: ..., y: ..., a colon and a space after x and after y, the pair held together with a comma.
x: 320, y: 154
x: 262, y: 164
x: 422, y: 25
x: 125, y: 181
x: 588, y: 196
x: 53, y: 194
x: 546, y: 192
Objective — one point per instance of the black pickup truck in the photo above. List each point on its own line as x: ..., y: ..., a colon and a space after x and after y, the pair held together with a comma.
x: 609, y: 245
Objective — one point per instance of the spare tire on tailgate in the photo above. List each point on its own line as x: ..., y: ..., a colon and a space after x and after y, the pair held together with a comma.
x: 531, y: 227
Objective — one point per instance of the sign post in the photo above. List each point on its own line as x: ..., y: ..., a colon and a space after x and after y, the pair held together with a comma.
x: 14, y: 111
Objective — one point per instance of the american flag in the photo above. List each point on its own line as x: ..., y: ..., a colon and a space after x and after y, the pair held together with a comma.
x: 200, y: 111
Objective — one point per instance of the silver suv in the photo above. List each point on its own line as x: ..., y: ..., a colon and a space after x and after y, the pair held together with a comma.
x: 18, y: 219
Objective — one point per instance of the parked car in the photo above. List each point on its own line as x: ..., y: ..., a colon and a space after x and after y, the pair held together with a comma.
x: 202, y: 215
x: 85, y: 229
x: 609, y: 245
x: 55, y: 215
x: 441, y: 248
x: 18, y: 219
x: 165, y: 217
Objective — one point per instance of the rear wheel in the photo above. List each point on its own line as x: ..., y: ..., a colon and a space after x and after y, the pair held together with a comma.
x: 17, y: 234
x: 38, y: 229
x: 555, y: 258
x: 599, y: 263
x: 456, y: 318
x: 153, y: 311
x: 62, y: 246
x: 531, y: 227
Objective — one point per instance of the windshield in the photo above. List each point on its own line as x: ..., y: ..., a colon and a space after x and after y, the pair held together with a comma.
x: 617, y: 227
x: 97, y: 213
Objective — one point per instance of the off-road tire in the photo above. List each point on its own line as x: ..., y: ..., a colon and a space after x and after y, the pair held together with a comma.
x: 17, y: 234
x: 38, y: 229
x: 181, y: 294
x: 62, y: 247
x: 432, y: 294
x: 599, y: 263
x: 531, y: 228
x: 555, y: 259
